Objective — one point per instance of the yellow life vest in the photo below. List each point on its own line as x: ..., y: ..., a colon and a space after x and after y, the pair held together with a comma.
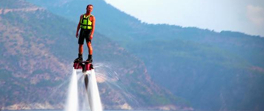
x: 85, y: 22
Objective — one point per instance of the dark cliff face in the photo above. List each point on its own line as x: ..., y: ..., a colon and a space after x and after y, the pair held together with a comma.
x: 37, y: 49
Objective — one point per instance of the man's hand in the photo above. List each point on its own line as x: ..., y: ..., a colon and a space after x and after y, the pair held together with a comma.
x: 91, y: 37
x: 77, y: 35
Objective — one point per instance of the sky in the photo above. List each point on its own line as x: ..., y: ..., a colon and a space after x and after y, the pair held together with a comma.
x: 246, y: 16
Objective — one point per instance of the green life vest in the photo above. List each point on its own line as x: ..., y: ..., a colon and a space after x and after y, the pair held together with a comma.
x: 85, y: 22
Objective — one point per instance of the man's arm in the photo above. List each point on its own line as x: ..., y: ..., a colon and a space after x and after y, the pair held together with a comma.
x: 93, y: 26
x: 78, y: 27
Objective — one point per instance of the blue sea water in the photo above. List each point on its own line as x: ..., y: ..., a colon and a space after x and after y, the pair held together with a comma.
x: 80, y: 110
x: 63, y: 110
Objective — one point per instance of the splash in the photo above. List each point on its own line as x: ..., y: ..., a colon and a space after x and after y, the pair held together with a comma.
x: 72, y: 98
x: 79, y: 96
x: 93, y: 93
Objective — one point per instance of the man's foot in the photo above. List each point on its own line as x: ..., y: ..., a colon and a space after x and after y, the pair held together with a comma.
x: 89, y: 60
x: 79, y: 59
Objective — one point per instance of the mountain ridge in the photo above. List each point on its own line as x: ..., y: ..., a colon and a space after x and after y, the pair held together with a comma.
x: 212, y: 70
x: 35, y: 62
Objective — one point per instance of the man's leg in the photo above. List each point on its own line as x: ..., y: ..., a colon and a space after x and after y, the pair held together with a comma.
x: 80, y: 42
x: 80, y: 58
x: 80, y: 48
x: 90, y: 49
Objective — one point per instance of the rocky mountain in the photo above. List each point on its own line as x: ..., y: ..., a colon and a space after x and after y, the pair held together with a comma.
x: 37, y: 49
x: 212, y: 70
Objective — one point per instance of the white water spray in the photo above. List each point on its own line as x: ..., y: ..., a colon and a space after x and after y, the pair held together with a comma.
x: 72, y: 99
x: 93, y: 93
x: 91, y: 100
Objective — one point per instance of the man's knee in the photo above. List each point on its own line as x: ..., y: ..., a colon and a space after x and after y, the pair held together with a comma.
x: 89, y: 44
x: 90, y: 48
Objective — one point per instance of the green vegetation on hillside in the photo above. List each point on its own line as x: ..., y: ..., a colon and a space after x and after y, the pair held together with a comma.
x: 202, y: 74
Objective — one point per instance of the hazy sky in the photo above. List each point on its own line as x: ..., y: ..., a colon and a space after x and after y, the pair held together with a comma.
x: 245, y: 16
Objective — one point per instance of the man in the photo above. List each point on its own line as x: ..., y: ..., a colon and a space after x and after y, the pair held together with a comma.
x: 86, y: 23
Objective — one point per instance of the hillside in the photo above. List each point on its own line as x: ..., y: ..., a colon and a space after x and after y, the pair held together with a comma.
x: 37, y: 49
x: 213, y: 70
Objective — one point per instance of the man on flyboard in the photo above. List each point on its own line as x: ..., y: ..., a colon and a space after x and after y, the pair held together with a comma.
x: 87, y: 24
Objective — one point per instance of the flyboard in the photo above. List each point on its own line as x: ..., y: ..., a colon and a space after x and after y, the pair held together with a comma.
x: 90, y: 84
